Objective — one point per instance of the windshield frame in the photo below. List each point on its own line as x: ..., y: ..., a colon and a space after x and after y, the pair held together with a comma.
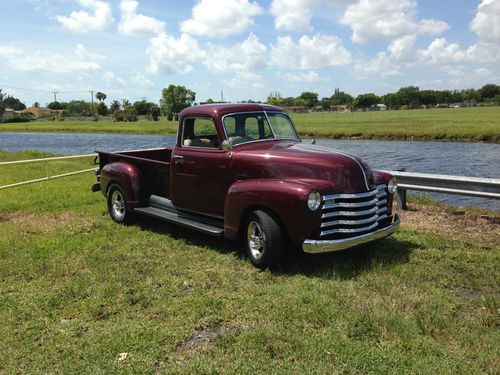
x: 284, y: 114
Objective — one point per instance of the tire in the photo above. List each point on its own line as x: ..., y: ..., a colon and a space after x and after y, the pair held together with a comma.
x: 117, y: 204
x: 264, y: 240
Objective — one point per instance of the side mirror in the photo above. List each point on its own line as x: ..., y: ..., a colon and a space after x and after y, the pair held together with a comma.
x: 226, y: 145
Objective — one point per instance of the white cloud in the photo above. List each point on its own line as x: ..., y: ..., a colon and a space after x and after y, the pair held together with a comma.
x: 169, y: 55
x: 310, y: 76
x: 381, y: 65
x: 292, y: 14
x: 113, y: 81
x: 440, y: 51
x: 249, y: 55
x: 136, y: 24
x: 309, y: 53
x: 141, y: 80
x: 432, y: 27
x: 83, y: 22
x: 373, y: 21
x: 81, y: 61
x: 245, y: 80
x: 486, y: 23
x: 221, y: 18
x: 401, y: 49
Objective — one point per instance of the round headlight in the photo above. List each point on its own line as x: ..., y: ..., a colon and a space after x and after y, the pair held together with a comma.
x: 314, y: 200
x: 392, y: 186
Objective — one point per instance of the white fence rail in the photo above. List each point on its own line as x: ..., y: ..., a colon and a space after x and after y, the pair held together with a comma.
x: 48, y: 177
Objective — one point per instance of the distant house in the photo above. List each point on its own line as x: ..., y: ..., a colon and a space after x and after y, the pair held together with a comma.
x: 378, y: 107
x: 9, y: 114
x: 41, y: 111
x: 339, y: 108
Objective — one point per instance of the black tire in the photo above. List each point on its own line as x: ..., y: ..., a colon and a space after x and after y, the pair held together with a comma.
x: 117, y: 204
x: 264, y: 239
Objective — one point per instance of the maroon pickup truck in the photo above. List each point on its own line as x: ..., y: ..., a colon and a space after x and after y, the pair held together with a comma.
x: 241, y: 170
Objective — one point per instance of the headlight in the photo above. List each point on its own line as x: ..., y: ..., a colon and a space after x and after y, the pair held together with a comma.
x: 392, y: 186
x: 314, y: 200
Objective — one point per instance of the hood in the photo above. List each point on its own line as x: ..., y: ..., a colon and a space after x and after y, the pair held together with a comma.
x: 342, y: 172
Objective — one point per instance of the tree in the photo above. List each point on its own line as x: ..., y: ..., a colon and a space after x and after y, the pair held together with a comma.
x: 428, y: 97
x: 56, y: 105
x: 79, y: 108
x: 409, y: 96
x: 489, y: 91
x: 100, y: 96
x: 14, y: 103
x: 310, y: 98
x: 36, y: 105
x: 102, y: 109
x: 2, y: 105
x: 115, y: 106
x: 288, y: 102
x: 153, y: 112
x: 325, y: 104
x: 174, y: 99
x: 142, y: 107
x: 392, y: 100
x: 366, y: 100
x: 341, y: 98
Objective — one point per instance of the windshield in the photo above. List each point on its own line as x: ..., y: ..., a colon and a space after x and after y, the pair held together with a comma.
x: 256, y: 126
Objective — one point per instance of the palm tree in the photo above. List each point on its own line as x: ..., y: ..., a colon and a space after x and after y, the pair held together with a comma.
x: 100, y: 96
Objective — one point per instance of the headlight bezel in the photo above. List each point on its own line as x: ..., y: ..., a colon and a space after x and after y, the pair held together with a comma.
x: 392, y: 185
x: 314, y: 201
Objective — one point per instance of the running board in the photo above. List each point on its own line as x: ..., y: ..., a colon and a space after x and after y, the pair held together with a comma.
x: 207, y: 226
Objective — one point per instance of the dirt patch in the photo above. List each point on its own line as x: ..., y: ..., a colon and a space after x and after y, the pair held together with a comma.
x: 467, y: 225
x: 31, y: 223
x: 200, y: 341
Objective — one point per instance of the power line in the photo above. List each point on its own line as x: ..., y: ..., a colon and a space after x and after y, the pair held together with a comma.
x: 44, y: 91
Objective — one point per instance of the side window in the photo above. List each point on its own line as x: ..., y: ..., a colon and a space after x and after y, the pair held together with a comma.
x: 200, y: 132
x: 252, y: 127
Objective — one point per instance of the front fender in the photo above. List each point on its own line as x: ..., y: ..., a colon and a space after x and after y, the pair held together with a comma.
x: 286, y: 199
x: 128, y: 176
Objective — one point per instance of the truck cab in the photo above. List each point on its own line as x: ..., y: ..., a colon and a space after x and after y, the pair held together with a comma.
x: 241, y: 170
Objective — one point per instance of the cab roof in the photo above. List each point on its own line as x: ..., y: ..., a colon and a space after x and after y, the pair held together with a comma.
x: 220, y: 109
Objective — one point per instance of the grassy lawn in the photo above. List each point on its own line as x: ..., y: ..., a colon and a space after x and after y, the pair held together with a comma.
x: 460, y: 124
x: 82, y: 294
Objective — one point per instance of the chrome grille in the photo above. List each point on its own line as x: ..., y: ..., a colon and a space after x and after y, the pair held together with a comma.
x: 349, y: 214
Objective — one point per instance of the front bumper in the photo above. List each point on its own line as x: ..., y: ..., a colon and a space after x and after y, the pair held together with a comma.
x: 324, y: 246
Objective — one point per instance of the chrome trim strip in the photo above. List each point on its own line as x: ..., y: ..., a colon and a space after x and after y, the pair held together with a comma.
x: 382, y: 217
x: 350, y: 196
x: 323, y: 246
x: 350, y: 222
x: 346, y: 230
x: 381, y: 210
x: 381, y: 195
x: 382, y: 202
x: 351, y: 213
x: 351, y: 204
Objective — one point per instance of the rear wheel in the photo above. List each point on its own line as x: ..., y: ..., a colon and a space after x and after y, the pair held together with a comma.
x: 117, y: 204
x: 264, y: 240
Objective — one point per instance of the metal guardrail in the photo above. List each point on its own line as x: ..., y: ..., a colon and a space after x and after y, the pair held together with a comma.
x: 457, y: 185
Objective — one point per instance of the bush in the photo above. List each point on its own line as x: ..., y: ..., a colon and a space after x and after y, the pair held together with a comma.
x: 23, y: 117
x: 126, y: 115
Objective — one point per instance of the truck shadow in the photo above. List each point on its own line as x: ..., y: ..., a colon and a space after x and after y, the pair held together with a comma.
x: 345, y: 264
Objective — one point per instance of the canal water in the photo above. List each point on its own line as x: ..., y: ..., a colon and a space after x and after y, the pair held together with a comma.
x: 453, y: 158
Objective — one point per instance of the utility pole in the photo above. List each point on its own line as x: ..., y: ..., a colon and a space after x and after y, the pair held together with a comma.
x: 222, y: 96
x: 55, y: 93
x: 92, y: 97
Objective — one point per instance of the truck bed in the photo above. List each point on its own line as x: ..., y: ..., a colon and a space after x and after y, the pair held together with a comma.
x: 154, y: 165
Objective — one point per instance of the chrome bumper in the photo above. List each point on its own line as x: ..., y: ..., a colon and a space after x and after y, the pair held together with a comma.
x: 324, y: 246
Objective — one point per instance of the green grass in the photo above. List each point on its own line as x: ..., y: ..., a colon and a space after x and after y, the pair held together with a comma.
x: 77, y: 289
x: 458, y: 124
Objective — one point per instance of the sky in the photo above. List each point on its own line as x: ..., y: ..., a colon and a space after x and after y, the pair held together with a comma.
x: 132, y: 49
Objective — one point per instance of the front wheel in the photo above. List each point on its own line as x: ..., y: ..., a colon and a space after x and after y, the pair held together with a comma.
x: 264, y: 240
x: 117, y: 204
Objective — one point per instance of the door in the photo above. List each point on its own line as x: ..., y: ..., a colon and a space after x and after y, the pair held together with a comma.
x: 197, y: 169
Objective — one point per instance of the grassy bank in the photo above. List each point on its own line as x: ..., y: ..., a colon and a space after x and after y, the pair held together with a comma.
x: 460, y: 124
x: 79, y: 293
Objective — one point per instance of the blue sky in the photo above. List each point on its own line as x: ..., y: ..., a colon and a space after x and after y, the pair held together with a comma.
x: 132, y: 49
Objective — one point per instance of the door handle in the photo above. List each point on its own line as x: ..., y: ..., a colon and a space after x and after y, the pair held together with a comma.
x: 178, y: 159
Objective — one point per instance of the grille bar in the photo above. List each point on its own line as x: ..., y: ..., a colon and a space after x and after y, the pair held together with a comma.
x: 350, y: 214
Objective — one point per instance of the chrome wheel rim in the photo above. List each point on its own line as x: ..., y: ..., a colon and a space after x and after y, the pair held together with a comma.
x: 256, y: 239
x: 118, y: 205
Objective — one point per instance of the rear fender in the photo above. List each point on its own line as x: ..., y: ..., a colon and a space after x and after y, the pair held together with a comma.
x: 128, y: 176
x: 287, y: 200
